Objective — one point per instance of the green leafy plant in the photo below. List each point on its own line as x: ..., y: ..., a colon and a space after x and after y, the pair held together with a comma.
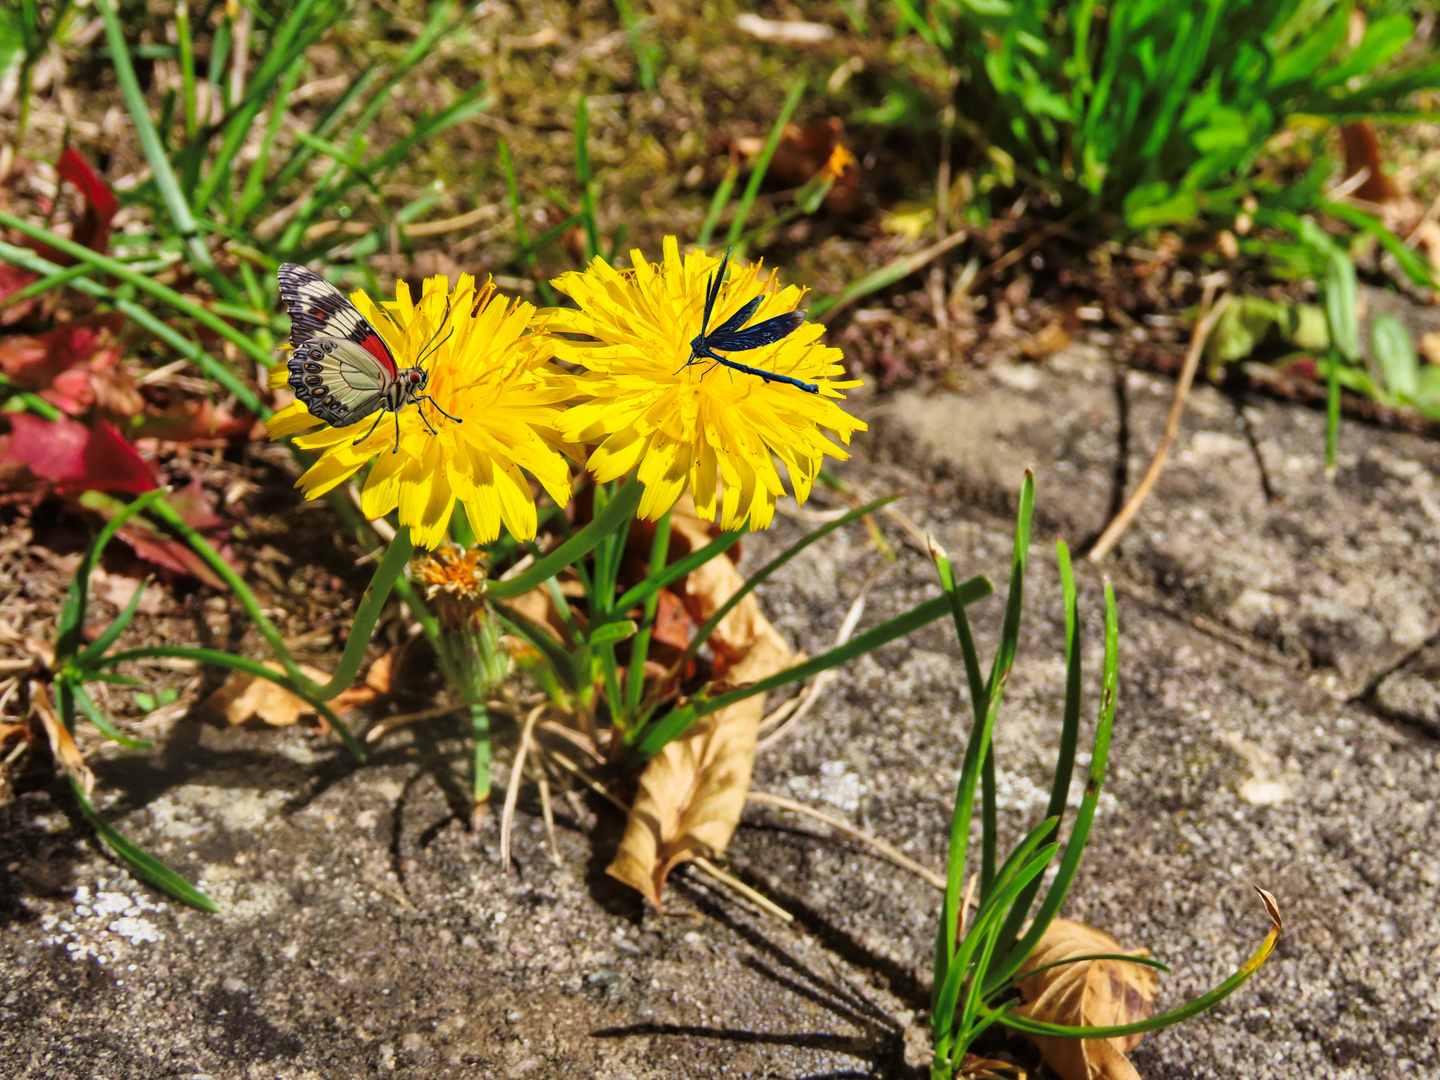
x: 977, y: 963
x: 1161, y: 113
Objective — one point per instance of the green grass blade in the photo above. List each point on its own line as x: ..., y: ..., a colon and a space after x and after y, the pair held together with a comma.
x: 635, y: 682
x: 1069, y: 734
x: 242, y: 591
x: 253, y: 190
x: 584, y: 179
x: 1004, y: 659
x: 762, y: 163
x: 1146, y: 961
x: 644, y: 53
x: 250, y: 667
x: 1084, y: 817
x: 1175, y: 1016
x: 107, y: 637
x: 141, y: 281
x: 675, y: 571
x: 70, y: 626
x: 150, y: 142
x: 674, y: 724
x: 718, y: 202
x: 144, y: 866
x: 616, y: 514
x: 187, y: 64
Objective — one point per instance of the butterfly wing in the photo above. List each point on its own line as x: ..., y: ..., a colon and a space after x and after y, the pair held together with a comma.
x: 762, y: 333
x: 339, y: 381
x: 318, y: 309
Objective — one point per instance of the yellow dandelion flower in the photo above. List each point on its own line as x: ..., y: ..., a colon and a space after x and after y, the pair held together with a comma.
x: 491, y: 374
x: 713, y: 430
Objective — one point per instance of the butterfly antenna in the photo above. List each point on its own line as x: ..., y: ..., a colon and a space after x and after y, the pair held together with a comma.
x: 444, y: 319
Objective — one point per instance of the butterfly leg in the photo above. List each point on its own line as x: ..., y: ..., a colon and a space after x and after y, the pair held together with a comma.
x: 425, y: 419
x: 373, y: 426
x: 397, y: 432
x: 442, y: 412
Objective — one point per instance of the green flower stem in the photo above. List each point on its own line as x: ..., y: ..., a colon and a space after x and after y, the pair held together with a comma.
x: 250, y: 667
x: 390, y: 571
x: 480, y: 732
x: 635, y: 685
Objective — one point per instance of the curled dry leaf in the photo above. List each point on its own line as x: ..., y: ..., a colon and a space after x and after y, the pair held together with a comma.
x: 1089, y: 993
x: 691, y: 794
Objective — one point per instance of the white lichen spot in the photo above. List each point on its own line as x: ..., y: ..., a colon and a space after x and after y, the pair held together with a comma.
x: 135, y: 930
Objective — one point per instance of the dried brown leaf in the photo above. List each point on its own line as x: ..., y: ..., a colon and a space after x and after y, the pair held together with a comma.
x: 244, y: 697
x: 691, y: 794
x: 61, y: 743
x: 1090, y: 993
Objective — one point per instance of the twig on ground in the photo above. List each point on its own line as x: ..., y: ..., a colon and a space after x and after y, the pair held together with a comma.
x: 1209, y: 316
x: 889, y: 851
x: 393, y: 723
x: 548, y: 813
x: 760, y: 900
x: 517, y: 777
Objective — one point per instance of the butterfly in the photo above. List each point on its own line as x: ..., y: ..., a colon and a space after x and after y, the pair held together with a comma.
x: 729, y: 337
x: 339, y: 366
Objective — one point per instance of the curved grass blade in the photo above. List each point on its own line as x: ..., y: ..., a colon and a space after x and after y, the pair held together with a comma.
x: 676, y: 570
x: 92, y: 713
x: 1175, y: 1016
x: 1069, y: 735
x: 766, y: 571
x: 1147, y: 961
x: 24, y: 257
x: 250, y: 667
x: 155, y: 154
x: 675, y: 723
x: 96, y: 648
x: 1084, y: 817
x: 762, y: 163
x: 71, y: 622
x: 144, y: 865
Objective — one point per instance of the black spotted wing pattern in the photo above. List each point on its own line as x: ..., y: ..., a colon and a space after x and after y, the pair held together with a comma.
x: 339, y: 367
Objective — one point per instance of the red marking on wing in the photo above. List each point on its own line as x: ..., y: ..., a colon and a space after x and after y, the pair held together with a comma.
x: 321, y: 313
x: 375, y: 346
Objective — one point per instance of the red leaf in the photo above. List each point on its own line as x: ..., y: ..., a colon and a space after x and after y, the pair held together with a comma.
x: 74, y: 366
x: 100, y: 203
x: 74, y: 457
x: 12, y: 280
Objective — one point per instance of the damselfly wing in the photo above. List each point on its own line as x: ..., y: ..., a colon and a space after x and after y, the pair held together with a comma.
x: 734, y: 336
